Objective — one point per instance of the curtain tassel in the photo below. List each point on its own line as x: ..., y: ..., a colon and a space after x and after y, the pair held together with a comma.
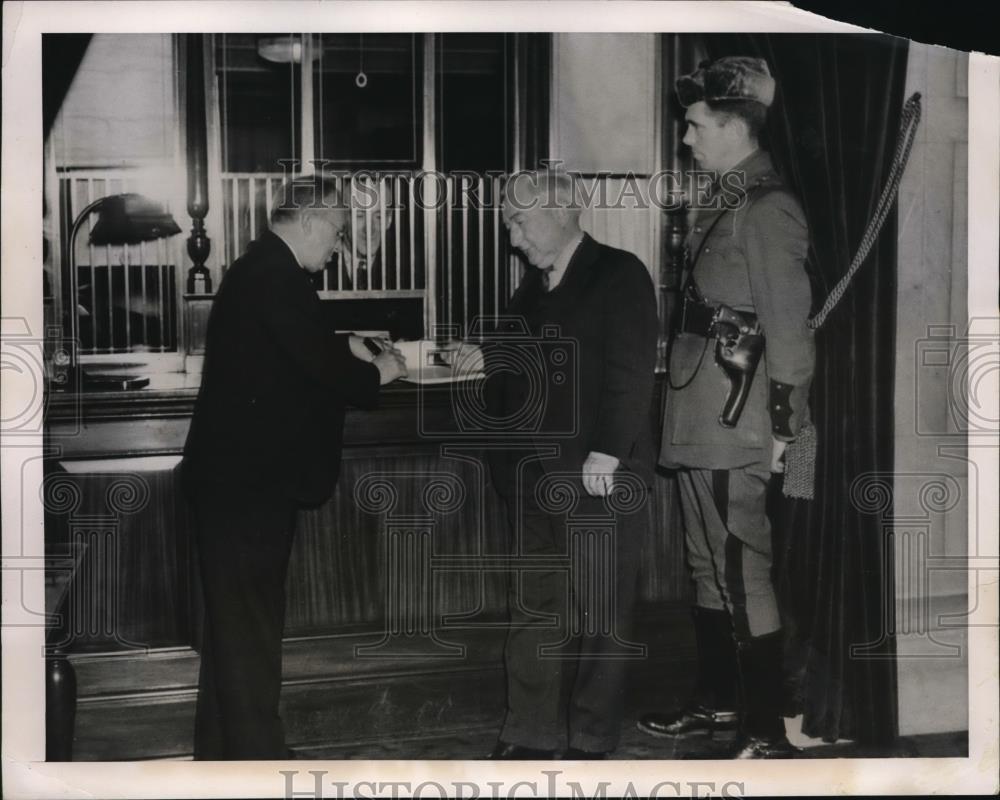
x: 909, y: 120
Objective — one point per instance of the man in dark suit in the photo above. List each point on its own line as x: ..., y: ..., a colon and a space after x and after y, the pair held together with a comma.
x: 749, y: 260
x: 575, y: 423
x: 266, y: 439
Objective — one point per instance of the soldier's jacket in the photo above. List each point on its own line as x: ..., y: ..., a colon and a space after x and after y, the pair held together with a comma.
x: 752, y: 260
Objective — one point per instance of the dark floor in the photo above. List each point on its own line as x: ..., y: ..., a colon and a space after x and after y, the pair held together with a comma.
x: 422, y: 715
x: 635, y: 745
x: 660, y: 681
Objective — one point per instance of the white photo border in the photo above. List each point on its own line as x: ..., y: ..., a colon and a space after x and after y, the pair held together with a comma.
x: 27, y: 775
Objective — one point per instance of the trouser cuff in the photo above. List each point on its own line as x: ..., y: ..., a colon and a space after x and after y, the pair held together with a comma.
x: 593, y: 744
x: 512, y: 733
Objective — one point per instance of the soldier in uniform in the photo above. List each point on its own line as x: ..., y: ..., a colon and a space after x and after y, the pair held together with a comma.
x: 747, y: 268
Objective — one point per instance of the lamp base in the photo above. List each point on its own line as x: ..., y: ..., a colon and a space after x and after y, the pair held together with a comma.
x: 111, y: 382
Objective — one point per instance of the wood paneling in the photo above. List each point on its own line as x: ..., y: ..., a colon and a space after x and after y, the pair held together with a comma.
x: 339, y: 568
x: 140, y: 706
x: 139, y: 574
x: 342, y: 713
x: 338, y: 572
x: 346, y: 681
x: 339, y: 564
x: 131, y: 589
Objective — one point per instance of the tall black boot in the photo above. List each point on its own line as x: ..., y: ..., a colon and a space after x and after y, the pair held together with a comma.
x: 762, y: 728
x: 714, y: 705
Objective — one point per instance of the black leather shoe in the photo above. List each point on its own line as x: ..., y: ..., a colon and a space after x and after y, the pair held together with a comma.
x: 515, y: 752
x: 688, y: 721
x: 573, y: 754
x: 764, y: 747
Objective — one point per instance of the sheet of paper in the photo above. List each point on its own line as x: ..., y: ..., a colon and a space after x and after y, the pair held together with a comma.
x: 429, y: 363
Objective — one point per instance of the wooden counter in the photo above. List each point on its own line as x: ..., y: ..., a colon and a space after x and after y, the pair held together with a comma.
x: 154, y: 420
x: 112, y: 486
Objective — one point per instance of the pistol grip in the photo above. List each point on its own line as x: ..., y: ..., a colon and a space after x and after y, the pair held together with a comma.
x: 739, y: 391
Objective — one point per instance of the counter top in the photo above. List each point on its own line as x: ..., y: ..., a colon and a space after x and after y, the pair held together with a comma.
x: 174, y: 393
x: 154, y: 420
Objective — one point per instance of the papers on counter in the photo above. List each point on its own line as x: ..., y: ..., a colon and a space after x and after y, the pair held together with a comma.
x: 428, y: 362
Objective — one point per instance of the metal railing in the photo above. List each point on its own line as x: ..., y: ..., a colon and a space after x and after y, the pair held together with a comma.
x: 474, y: 272
x: 438, y: 239
x: 127, y: 294
x: 386, y: 224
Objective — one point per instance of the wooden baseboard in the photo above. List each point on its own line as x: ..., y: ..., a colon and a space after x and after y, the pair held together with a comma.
x: 932, y: 655
x: 141, y: 705
x: 316, y: 714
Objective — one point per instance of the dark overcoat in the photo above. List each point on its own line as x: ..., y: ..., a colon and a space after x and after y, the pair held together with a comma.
x: 574, y: 367
x: 276, y: 381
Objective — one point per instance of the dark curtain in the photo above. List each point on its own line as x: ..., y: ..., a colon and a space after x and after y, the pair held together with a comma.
x: 61, y: 57
x: 534, y: 68
x: 832, y: 133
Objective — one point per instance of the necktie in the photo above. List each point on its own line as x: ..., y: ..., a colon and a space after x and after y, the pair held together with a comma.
x: 546, y: 275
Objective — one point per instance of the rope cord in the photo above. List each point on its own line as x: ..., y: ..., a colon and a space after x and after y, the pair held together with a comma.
x: 909, y: 120
x: 690, y: 379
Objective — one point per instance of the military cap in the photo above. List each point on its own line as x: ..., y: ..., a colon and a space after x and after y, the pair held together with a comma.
x: 728, y: 78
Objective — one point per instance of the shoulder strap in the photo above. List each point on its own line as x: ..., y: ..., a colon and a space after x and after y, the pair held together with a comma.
x: 706, y: 237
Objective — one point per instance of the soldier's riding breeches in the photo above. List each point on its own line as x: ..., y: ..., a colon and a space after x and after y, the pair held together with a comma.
x: 728, y: 539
